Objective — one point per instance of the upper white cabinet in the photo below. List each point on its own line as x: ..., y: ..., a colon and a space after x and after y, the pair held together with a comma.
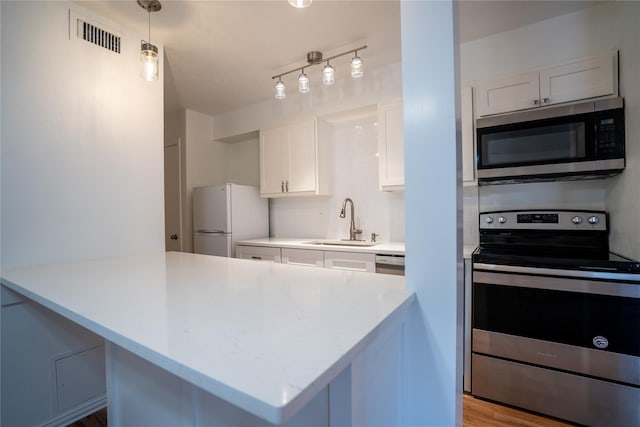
x: 587, y: 77
x: 509, y: 94
x: 295, y: 160
x: 391, y: 146
x: 468, y: 135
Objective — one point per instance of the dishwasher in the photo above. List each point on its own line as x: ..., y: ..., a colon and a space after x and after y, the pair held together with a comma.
x: 390, y: 264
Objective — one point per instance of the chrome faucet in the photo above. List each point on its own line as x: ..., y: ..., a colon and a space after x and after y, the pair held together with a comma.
x: 352, y: 226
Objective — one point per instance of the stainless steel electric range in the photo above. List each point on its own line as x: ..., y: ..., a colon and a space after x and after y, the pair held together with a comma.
x: 556, y: 317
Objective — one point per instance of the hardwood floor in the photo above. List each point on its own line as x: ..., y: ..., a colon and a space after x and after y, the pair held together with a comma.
x: 97, y: 419
x: 480, y: 413
x: 476, y: 413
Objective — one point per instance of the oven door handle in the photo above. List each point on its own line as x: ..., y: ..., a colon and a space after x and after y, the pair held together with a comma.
x: 587, y: 274
x: 616, y: 289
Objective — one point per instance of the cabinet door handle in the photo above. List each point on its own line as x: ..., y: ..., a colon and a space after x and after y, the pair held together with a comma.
x: 535, y: 102
x: 287, y: 186
x: 282, y: 186
x: 259, y: 258
x: 545, y: 100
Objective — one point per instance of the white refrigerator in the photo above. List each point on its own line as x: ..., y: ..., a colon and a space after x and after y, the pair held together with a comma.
x: 224, y: 214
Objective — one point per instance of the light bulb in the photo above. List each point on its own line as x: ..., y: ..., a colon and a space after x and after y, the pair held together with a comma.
x: 356, y: 67
x: 303, y: 83
x: 300, y: 3
x: 328, y: 75
x: 280, y: 90
x: 150, y: 61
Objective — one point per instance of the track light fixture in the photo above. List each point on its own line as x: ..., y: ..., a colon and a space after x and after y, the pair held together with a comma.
x: 149, y: 52
x: 328, y: 72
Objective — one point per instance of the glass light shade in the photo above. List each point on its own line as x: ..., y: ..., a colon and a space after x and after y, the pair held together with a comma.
x: 280, y: 94
x: 356, y: 67
x: 328, y: 75
x: 150, y: 62
x: 303, y: 83
x: 300, y: 3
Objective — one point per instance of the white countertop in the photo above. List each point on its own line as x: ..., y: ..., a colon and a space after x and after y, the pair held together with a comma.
x: 265, y: 337
x: 382, y: 248
x: 388, y: 248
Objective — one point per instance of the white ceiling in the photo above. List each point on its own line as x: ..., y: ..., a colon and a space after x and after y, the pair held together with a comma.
x: 220, y: 55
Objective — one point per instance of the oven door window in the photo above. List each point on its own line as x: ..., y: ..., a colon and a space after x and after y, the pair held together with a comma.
x: 572, y: 318
x: 551, y: 143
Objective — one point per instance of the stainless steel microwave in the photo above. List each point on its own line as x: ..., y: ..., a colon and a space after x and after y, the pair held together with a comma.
x: 584, y: 140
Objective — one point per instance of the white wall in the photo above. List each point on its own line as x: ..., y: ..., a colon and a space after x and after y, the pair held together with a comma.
x: 243, y: 161
x: 433, y: 195
x: 82, y: 134
x: 81, y: 177
x: 355, y: 175
x: 623, y: 201
x: 206, y: 161
x: 347, y: 94
x: 595, y: 29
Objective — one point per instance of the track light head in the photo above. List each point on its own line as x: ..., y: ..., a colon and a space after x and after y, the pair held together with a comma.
x: 280, y: 90
x: 328, y: 75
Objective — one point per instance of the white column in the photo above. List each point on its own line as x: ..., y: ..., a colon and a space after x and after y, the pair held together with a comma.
x: 433, y: 222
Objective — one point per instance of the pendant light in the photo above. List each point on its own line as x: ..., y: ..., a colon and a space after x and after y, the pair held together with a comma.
x: 148, y: 52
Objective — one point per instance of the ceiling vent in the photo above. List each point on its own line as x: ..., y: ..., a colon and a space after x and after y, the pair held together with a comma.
x: 93, y: 34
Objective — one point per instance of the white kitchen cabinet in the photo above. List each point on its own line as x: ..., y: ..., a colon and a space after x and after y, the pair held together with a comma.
x: 468, y: 136
x: 587, y: 77
x: 355, y: 261
x: 509, y: 94
x: 295, y: 160
x: 259, y: 253
x: 306, y: 257
x: 391, y: 146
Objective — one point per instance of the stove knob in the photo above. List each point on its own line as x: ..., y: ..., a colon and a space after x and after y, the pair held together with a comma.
x: 488, y: 220
x: 502, y: 220
x: 594, y: 220
x: 576, y: 220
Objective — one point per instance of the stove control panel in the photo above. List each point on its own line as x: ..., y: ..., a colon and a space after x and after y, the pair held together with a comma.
x: 544, y: 220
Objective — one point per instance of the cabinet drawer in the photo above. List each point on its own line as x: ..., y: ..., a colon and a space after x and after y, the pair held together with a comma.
x: 354, y: 261
x: 306, y: 257
x: 258, y: 253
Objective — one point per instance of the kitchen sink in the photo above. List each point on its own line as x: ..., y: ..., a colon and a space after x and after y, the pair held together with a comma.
x: 360, y: 243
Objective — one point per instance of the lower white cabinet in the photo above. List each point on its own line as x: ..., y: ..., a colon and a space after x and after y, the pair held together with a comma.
x: 259, y: 253
x: 354, y: 261
x: 306, y: 257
